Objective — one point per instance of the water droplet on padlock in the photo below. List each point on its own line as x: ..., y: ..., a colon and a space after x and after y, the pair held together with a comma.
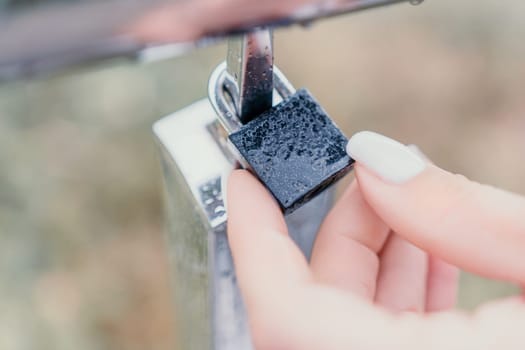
x: 294, y: 149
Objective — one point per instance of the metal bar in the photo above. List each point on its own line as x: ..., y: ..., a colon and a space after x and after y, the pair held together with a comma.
x: 250, y: 69
x: 46, y: 38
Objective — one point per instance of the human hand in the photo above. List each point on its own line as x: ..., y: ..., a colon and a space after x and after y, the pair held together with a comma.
x: 378, y: 276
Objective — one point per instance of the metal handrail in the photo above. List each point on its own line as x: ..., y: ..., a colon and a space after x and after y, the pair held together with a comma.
x: 46, y: 38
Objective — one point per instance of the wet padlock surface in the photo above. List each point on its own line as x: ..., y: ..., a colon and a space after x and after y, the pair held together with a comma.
x: 295, y: 149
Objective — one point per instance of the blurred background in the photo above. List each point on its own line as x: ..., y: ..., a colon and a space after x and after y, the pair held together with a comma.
x: 83, y: 263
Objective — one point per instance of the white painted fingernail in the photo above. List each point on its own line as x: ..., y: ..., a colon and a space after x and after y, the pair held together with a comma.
x: 418, y: 152
x: 390, y: 160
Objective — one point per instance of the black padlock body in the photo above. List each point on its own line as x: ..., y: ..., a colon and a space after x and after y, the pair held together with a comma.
x: 295, y: 149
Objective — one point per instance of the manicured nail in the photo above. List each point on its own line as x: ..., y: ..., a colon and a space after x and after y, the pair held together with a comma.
x: 418, y: 152
x: 390, y: 160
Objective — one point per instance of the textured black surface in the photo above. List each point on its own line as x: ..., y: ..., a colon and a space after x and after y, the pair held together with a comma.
x: 295, y: 149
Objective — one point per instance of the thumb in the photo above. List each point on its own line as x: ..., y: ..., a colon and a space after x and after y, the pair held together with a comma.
x: 476, y: 227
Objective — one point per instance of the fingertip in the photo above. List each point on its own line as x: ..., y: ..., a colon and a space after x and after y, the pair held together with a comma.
x: 250, y: 206
x: 242, y: 187
x: 265, y: 257
x: 236, y: 178
x: 227, y: 177
x: 475, y: 227
x: 442, y: 285
x: 387, y: 158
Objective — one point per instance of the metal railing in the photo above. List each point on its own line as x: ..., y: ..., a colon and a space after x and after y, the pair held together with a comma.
x: 42, y: 38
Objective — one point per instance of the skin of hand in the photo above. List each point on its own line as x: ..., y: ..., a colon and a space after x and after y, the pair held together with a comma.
x: 382, y: 273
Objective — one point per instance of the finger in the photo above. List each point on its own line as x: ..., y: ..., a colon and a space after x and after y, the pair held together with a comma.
x: 443, y: 278
x: 320, y: 318
x: 442, y: 285
x: 495, y: 325
x: 266, y: 259
x: 402, y: 280
x: 476, y: 227
x: 345, y: 251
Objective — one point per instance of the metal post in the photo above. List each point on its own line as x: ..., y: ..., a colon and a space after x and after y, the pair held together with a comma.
x: 210, y: 310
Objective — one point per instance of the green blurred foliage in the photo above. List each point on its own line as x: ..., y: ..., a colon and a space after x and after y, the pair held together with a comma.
x: 82, y: 257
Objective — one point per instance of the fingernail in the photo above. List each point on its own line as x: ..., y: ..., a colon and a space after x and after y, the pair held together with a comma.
x: 418, y: 152
x: 390, y: 160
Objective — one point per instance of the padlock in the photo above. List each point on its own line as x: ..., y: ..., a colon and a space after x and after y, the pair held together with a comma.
x: 294, y: 148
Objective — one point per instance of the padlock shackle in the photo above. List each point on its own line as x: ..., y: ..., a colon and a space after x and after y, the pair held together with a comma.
x: 219, y: 88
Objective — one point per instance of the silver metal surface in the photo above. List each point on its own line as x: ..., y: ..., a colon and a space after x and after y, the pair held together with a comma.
x: 203, y: 279
x: 209, y: 308
x: 250, y: 69
x: 38, y: 39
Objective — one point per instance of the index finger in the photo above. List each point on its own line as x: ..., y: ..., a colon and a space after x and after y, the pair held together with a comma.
x: 265, y: 257
x: 473, y: 226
